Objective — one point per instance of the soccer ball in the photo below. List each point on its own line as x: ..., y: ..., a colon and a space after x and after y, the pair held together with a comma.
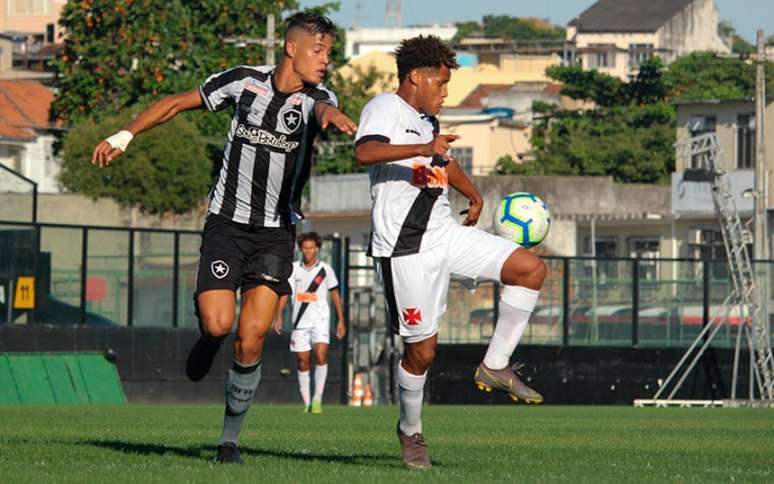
x: 523, y: 218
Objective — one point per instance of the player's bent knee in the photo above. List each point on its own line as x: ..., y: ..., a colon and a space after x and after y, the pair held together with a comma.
x: 540, y: 272
x: 303, y: 365
x: 248, y: 350
x: 217, y: 326
x: 419, y: 360
x: 524, y: 269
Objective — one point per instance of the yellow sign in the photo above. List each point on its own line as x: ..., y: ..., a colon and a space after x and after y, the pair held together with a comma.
x: 25, y: 293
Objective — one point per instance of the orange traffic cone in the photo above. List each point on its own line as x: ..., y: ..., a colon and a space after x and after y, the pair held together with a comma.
x: 368, y: 398
x: 357, y: 391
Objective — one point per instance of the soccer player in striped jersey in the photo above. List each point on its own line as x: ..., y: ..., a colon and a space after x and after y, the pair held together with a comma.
x: 249, y: 235
x: 311, y: 282
x: 417, y: 244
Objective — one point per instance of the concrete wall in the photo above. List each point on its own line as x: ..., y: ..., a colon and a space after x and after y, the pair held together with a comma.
x: 693, y: 29
x: 334, y: 197
x: 6, y: 55
x: 71, y: 208
x: 533, y: 66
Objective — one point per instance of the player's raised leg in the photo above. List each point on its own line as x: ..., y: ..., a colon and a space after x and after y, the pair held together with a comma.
x: 523, y: 274
x: 320, y: 375
x: 215, y: 309
x: 258, y: 308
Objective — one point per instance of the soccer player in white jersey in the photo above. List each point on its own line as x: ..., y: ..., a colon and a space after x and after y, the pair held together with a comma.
x: 418, y: 245
x: 311, y: 282
x: 249, y: 235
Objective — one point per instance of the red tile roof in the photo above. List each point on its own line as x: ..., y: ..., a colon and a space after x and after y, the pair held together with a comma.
x: 553, y: 88
x: 23, y: 105
x: 474, y: 100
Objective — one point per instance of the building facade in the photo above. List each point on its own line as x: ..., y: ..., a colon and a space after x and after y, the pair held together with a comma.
x: 26, y: 135
x: 31, y: 17
x: 362, y: 41
x: 616, y: 36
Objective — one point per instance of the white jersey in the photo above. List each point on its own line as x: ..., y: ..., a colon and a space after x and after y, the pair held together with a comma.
x: 411, y: 211
x: 310, y: 288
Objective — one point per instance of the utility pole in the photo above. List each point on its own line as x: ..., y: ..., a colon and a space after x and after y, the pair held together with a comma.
x: 761, y: 171
x: 269, y: 42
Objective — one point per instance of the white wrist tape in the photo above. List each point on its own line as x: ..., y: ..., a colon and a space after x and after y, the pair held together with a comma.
x: 120, y: 140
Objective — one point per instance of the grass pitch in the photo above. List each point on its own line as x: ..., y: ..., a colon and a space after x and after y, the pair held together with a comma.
x: 467, y: 444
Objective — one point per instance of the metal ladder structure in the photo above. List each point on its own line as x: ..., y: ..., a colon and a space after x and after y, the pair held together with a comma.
x: 745, y: 297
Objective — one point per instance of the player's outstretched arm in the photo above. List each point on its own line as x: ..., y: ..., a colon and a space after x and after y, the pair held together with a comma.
x: 460, y: 182
x: 159, y: 112
x: 328, y: 114
x: 341, y: 327
x: 375, y: 151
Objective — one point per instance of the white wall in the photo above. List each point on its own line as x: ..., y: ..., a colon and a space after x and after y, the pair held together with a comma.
x: 36, y: 160
x: 361, y: 41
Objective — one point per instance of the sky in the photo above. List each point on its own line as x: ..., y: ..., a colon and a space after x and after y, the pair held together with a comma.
x: 746, y: 15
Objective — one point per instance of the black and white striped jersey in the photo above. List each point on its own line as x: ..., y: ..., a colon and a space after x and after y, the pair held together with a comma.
x: 268, y: 153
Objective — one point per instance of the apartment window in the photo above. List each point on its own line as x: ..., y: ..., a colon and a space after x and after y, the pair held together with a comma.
x: 707, y: 243
x: 639, y: 53
x: 647, y: 248
x: 28, y: 7
x: 698, y: 125
x: 601, y: 56
x: 464, y: 157
x: 605, y: 248
x: 602, y: 59
x: 745, y: 141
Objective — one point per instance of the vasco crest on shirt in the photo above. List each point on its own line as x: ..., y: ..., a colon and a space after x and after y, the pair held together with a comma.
x: 289, y: 119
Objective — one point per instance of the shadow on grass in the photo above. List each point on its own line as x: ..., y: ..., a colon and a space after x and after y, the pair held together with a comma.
x: 207, y: 452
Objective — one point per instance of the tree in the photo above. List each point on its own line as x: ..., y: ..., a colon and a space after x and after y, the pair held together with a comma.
x: 592, y: 85
x: 513, y: 28
x: 336, y: 154
x: 703, y: 76
x: 739, y: 45
x: 628, y: 136
x: 506, y: 165
x: 121, y: 54
x: 167, y: 169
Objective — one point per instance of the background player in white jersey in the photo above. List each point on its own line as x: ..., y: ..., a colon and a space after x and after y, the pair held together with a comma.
x: 249, y: 235
x: 311, y: 282
x: 417, y: 243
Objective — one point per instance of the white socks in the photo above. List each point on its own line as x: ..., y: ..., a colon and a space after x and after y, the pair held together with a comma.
x: 303, y: 386
x: 516, y: 306
x: 410, y: 390
x: 320, y: 374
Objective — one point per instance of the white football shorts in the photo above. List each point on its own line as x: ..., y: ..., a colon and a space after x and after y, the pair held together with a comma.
x: 303, y: 339
x: 416, y: 285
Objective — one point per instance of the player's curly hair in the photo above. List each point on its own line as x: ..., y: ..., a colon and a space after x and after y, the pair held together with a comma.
x: 313, y: 23
x: 313, y: 236
x: 423, y: 51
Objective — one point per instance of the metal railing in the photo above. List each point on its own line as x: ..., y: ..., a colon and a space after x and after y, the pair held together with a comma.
x: 119, y: 276
x: 103, y: 276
